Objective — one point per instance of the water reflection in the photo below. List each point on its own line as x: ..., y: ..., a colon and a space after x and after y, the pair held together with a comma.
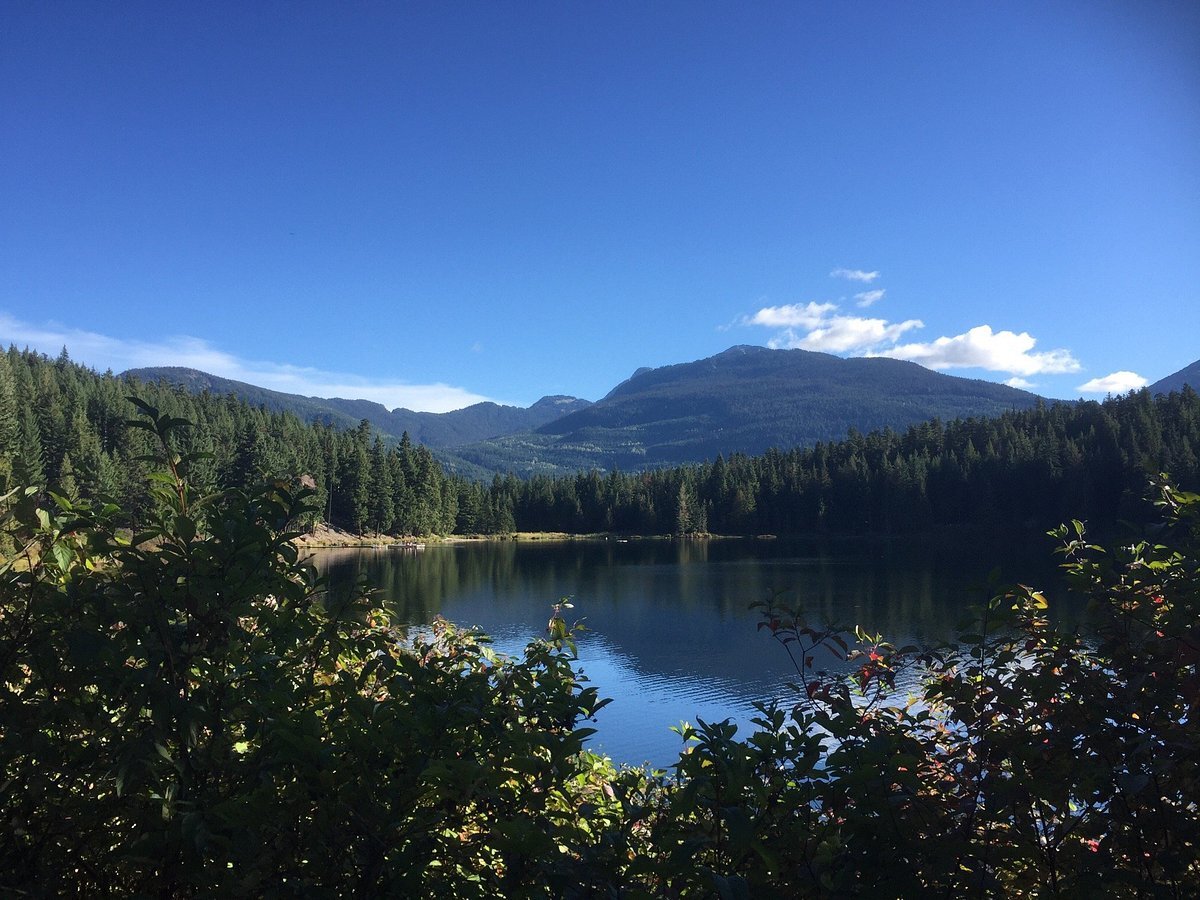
x: 670, y: 635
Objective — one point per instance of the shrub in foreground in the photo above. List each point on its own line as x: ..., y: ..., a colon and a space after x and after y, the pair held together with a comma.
x: 1030, y: 760
x: 184, y: 712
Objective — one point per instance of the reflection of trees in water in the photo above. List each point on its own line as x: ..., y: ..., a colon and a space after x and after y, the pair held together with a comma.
x: 919, y: 591
x: 689, y: 551
x: 417, y: 584
x: 908, y: 591
x: 413, y: 584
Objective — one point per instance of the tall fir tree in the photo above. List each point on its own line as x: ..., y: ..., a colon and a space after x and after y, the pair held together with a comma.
x: 380, y: 508
x: 28, y: 467
x: 9, y: 422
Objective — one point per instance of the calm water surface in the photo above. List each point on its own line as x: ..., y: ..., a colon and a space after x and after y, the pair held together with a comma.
x: 670, y: 636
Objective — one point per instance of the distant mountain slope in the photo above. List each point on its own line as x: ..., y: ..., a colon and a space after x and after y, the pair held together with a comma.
x: 309, y: 409
x: 1187, y: 375
x: 746, y: 399
x: 437, y: 430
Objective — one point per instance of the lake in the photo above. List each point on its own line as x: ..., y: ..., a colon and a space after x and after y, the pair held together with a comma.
x: 670, y: 636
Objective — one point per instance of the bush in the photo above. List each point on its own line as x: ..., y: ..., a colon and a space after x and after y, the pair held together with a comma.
x: 185, y: 713
x: 1031, y: 762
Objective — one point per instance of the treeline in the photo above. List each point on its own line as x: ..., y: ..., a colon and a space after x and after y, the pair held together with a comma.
x: 65, y: 426
x: 1035, y: 467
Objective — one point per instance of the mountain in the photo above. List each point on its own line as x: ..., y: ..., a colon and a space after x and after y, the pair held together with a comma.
x: 308, y: 409
x: 1189, y: 375
x: 746, y: 399
x: 436, y: 430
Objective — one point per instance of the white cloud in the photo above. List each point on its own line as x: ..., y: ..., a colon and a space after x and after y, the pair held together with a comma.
x: 822, y: 327
x: 1000, y: 351
x: 794, y: 315
x: 103, y: 352
x: 854, y: 275
x: 1117, y: 383
x: 844, y: 334
x: 814, y: 326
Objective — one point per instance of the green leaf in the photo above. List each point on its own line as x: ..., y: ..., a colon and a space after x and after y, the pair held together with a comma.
x: 62, y: 555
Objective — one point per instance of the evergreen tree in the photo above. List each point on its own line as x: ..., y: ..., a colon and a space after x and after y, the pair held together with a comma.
x: 9, y: 422
x: 354, y: 478
x: 427, y: 506
x: 381, y: 510
x: 27, y: 466
x: 249, y: 463
x: 67, y: 486
x: 685, y: 509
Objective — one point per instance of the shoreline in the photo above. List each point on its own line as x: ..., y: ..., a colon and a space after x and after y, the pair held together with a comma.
x: 327, y: 537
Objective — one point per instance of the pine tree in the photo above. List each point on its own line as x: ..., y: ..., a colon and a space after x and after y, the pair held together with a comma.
x: 67, y: 486
x: 427, y: 504
x: 685, y: 509
x: 354, y: 479
x: 96, y: 474
x: 380, y: 509
x: 249, y: 464
x: 9, y: 422
x: 28, y: 468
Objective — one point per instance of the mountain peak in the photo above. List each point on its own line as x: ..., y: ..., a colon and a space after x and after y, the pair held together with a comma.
x: 741, y: 350
x: 558, y: 401
x: 748, y: 398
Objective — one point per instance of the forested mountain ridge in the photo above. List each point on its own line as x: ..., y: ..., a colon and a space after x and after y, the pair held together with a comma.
x: 749, y: 373
x: 1188, y: 375
x: 744, y: 400
x: 1030, y: 469
x: 439, y: 430
x: 66, y: 428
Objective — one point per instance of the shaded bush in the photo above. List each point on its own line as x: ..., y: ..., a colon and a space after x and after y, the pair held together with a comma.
x: 186, y: 714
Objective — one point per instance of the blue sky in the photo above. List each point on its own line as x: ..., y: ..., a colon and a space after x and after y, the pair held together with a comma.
x: 431, y: 204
